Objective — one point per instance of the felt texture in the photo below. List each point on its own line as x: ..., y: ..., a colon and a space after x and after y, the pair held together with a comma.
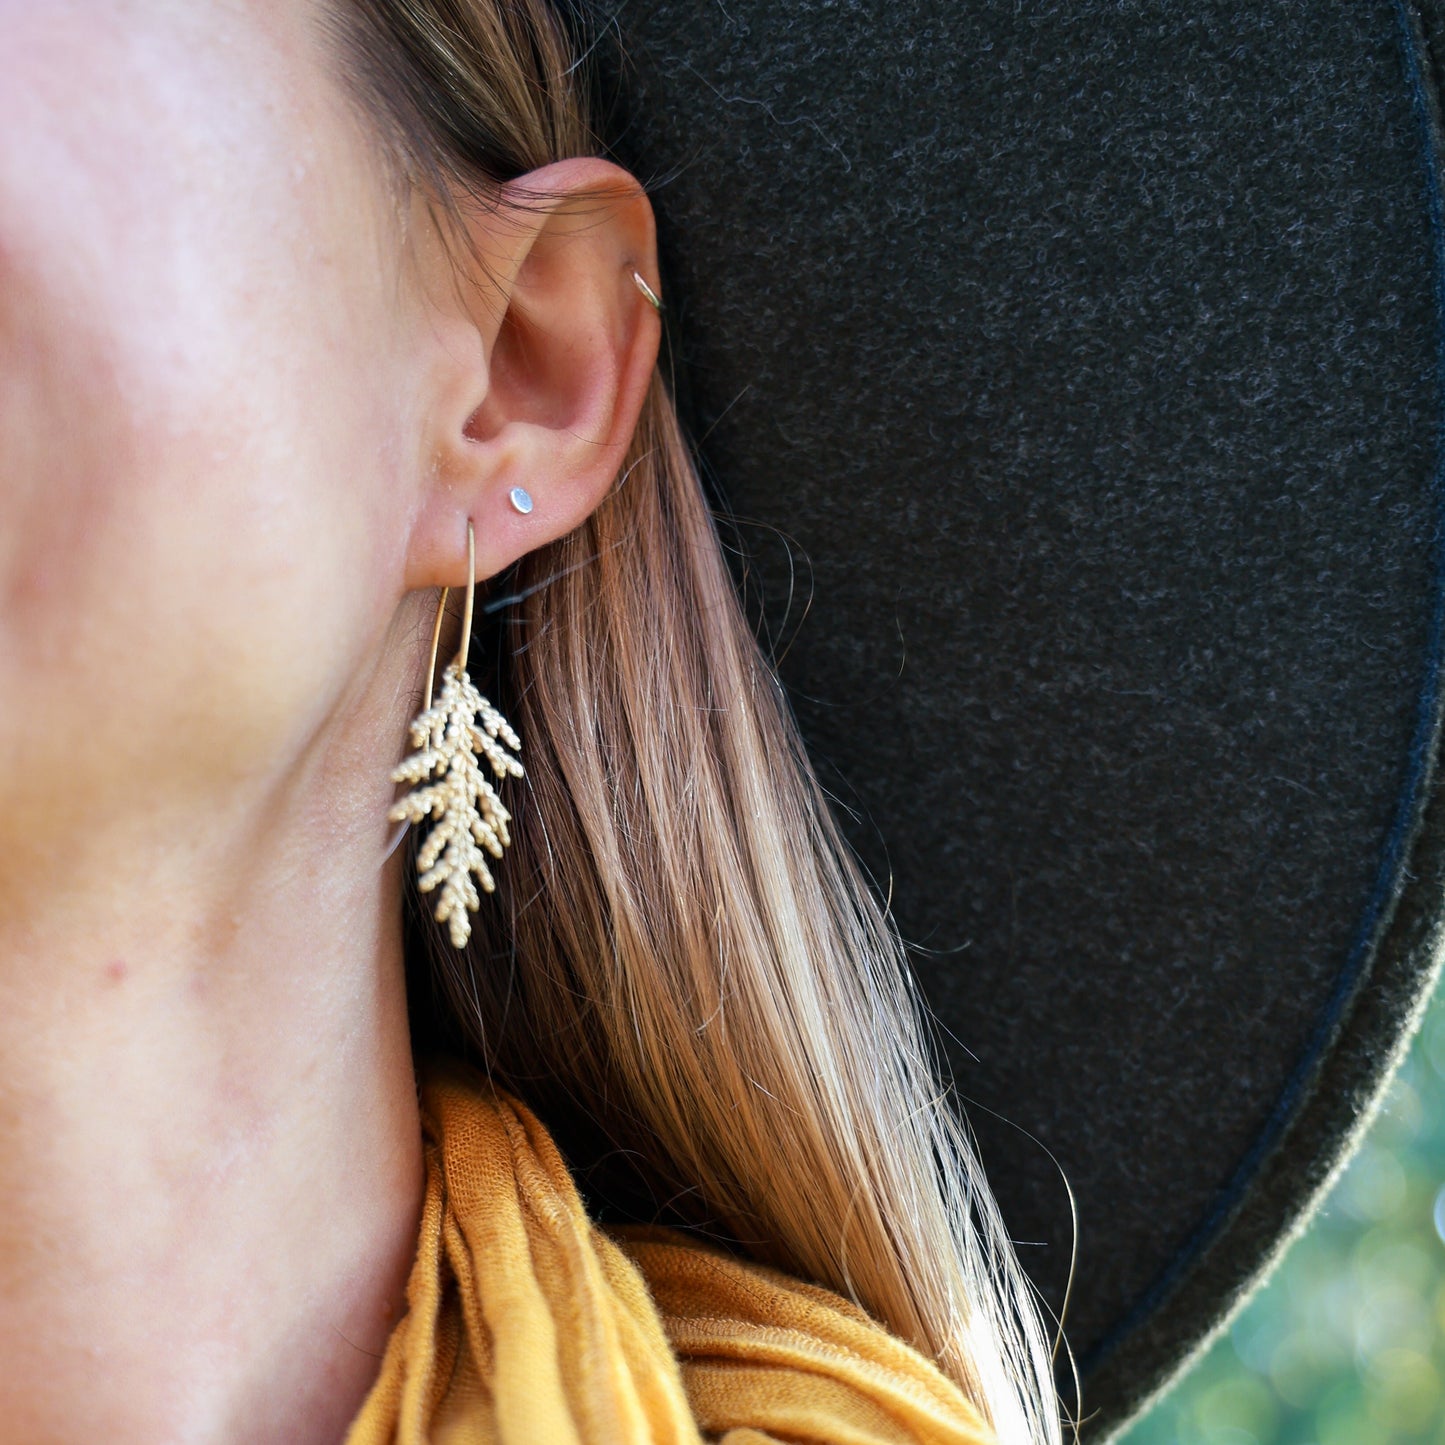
x: 1074, y: 373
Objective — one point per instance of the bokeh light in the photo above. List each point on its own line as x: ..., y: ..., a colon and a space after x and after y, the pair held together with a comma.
x: 1345, y: 1343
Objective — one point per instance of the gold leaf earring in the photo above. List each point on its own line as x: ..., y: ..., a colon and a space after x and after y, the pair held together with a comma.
x: 449, y: 785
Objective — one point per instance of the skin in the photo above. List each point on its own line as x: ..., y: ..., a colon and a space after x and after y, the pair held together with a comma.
x: 247, y: 406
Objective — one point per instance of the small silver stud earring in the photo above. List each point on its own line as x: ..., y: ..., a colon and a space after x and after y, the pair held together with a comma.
x: 521, y: 499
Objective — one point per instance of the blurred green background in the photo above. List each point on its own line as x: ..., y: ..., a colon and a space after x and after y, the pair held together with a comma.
x: 1345, y: 1344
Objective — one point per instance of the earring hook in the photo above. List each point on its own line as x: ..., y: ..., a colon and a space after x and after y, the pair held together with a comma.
x: 471, y: 589
x: 436, y: 632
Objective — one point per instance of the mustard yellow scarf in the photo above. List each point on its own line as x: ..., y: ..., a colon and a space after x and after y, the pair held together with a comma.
x: 529, y: 1325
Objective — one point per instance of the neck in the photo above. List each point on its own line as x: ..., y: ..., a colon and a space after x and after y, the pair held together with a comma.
x: 210, y: 1159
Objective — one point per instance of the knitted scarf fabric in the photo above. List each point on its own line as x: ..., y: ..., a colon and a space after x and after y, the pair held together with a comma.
x: 527, y: 1324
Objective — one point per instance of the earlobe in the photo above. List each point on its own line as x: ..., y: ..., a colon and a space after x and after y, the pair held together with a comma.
x: 539, y: 369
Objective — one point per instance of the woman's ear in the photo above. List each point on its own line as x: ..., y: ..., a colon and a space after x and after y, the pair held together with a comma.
x: 540, y: 346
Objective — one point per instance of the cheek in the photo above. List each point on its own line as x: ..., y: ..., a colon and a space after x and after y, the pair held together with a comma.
x: 197, y: 413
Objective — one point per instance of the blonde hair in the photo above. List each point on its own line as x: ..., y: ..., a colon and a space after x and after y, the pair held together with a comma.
x: 682, y: 949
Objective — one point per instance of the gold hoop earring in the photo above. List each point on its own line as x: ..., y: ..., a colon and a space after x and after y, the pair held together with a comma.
x: 448, y: 784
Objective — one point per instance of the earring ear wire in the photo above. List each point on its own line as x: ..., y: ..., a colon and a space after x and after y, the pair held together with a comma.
x: 448, y: 785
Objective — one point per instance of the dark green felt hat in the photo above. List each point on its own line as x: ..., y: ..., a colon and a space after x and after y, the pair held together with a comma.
x: 1081, y: 366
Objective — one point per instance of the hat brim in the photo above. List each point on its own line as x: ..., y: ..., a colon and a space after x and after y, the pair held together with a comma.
x: 1080, y: 369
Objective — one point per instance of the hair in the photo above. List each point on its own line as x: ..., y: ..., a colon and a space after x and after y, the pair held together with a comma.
x: 686, y: 953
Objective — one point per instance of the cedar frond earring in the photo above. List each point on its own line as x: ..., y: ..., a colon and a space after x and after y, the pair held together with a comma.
x: 449, y: 784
